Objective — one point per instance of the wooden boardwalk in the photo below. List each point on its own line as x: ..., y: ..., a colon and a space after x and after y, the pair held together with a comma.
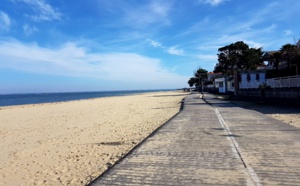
x: 213, y: 142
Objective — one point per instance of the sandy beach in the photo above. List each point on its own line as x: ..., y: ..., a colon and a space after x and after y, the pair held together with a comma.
x: 71, y: 143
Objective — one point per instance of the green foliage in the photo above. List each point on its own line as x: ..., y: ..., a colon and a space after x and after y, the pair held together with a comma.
x: 252, y: 58
x: 280, y: 73
x: 238, y: 56
x: 193, y: 81
x: 199, y: 75
x: 276, y: 57
x: 290, y: 53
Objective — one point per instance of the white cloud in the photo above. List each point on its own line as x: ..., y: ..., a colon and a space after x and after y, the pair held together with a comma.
x: 73, y: 60
x: 4, y: 21
x: 228, y: 39
x: 43, y: 11
x: 28, y: 30
x: 175, y: 51
x: 270, y: 28
x: 155, y: 44
x: 212, y: 2
x: 155, y: 13
x: 288, y: 33
x: 161, y: 9
x: 253, y: 44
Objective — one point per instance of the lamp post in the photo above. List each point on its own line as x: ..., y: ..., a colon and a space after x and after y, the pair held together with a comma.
x: 201, y: 85
x: 200, y: 82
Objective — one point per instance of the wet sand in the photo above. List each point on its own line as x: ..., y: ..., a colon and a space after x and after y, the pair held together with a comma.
x: 71, y: 143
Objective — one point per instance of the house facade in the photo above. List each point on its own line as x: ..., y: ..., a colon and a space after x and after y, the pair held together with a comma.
x: 252, y: 79
x: 224, y: 85
x: 220, y: 85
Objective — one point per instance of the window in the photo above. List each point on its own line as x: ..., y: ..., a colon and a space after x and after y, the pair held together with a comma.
x: 248, y: 77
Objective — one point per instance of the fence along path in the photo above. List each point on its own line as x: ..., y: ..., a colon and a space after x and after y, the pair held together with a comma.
x: 284, y: 82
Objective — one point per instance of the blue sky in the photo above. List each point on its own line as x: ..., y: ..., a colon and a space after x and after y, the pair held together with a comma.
x: 62, y: 45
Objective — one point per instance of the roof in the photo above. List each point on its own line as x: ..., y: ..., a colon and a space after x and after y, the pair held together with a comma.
x: 268, y: 53
x: 214, y: 73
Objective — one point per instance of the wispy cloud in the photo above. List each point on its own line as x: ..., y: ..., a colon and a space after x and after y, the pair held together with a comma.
x: 176, y: 51
x: 196, y: 28
x: 258, y: 28
x: 73, y: 60
x: 42, y: 10
x: 173, y: 50
x: 153, y: 13
x: 288, y: 32
x: 155, y: 44
x: 270, y: 28
x: 139, y: 15
x: 29, y: 30
x: 212, y: 2
x: 4, y: 21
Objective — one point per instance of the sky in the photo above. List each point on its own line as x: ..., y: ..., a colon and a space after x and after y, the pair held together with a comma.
x: 99, y: 45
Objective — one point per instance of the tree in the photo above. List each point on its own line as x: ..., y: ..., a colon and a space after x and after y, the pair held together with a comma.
x: 290, y: 54
x: 193, y: 81
x: 238, y: 56
x: 251, y: 59
x: 276, y: 57
x: 199, y: 75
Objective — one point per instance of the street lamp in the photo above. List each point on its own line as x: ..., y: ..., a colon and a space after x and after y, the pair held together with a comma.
x: 200, y: 82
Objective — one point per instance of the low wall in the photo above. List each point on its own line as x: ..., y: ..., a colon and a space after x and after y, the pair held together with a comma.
x: 280, y: 94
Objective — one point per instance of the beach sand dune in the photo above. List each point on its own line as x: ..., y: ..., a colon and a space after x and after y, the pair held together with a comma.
x: 71, y: 143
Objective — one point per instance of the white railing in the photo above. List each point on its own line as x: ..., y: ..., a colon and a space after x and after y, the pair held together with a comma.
x: 284, y: 82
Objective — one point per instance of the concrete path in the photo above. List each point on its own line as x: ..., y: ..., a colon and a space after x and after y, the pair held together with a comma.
x: 213, y: 142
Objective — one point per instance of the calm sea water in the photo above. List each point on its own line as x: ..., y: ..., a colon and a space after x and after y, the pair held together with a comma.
x: 22, y: 99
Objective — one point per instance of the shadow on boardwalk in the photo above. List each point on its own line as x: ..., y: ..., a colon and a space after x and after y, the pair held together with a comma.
x: 265, y: 107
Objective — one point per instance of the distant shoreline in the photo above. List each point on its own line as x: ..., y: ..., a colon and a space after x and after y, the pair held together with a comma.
x: 39, y: 98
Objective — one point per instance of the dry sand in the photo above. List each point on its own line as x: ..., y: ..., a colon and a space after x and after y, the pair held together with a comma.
x: 71, y: 143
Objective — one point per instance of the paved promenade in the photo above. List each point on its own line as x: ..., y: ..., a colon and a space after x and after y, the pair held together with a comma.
x: 213, y: 142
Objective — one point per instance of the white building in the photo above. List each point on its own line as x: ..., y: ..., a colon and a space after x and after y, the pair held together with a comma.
x: 252, y: 80
x: 211, y: 76
x: 230, y: 84
x: 220, y: 84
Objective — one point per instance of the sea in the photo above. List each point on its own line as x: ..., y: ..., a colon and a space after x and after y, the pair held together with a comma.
x: 37, y: 98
